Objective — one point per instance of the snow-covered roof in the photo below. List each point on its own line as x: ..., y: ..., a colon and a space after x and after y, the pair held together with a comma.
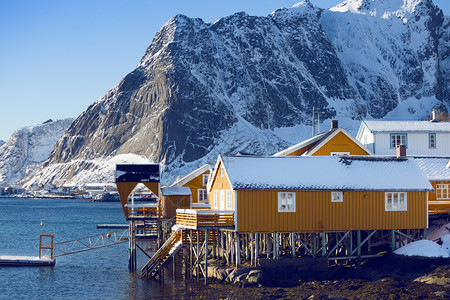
x: 324, y: 173
x: 318, y: 142
x: 311, y: 141
x: 434, y: 168
x: 185, y: 179
x: 407, y: 126
x: 176, y: 191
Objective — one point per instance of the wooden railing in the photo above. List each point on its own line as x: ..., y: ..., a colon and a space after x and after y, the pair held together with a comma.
x: 169, y: 248
x: 142, y: 210
x: 191, y: 218
x: 438, y: 207
x: 200, y: 205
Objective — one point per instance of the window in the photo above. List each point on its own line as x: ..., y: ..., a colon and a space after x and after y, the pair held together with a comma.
x: 202, y: 195
x: 442, y: 191
x: 215, y: 199
x: 398, y: 139
x: 221, y: 172
x: 222, y: 199
x: 395, y: 201
x: 432, y: 141
x: 228, y: 200
x: 337, y: 197
x: 286, y: 202
x: 339, y: 153
x: 205, y: 179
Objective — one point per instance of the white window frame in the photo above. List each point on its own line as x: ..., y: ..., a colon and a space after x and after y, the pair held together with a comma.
x: 393, y: 201
x: 228, y: 201
x: 205, y: 179
x: 221, y: 171
x: 202, y: 195
x: 215, y: 199
x: 337, y: 197
x: 397, y: 139
x: 339, y: 153
x: 222, y: 200
x: 442, y: 191
x: 286, y: 202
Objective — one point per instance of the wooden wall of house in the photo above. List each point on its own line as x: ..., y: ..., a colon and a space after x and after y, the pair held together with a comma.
x: 220, y: 182
x: 436, y: 206
x: 257, y: 210
x: 340, y: 143
x: 300, y: 151
x: 172, y: 203
x: 196, y: 184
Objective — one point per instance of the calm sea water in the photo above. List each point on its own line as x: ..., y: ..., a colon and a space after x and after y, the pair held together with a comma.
x: 96, y: 274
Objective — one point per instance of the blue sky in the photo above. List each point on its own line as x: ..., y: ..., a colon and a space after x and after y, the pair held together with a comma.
x: 59, y: 57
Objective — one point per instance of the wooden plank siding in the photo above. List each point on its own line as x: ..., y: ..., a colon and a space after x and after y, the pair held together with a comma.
x: 220, y: 183
x: 257, y: 210
x: 436, y: 206
x: 172, y: 203
x: 300, y: 151
x: 340, y: 143
x: 196, y: 184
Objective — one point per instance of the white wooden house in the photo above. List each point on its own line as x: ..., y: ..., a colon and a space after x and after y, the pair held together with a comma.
x: 421, y: 138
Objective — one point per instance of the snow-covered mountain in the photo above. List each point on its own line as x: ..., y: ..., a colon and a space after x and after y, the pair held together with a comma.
x: 27, y: 148
x: 248, y: 84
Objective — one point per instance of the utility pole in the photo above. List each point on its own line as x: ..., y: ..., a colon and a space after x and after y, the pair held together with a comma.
x: 313, y: 123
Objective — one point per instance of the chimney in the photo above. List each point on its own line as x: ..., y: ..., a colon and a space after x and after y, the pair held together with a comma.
x: 334, y: 124
x: 401, y: 151
x: 436, y: 116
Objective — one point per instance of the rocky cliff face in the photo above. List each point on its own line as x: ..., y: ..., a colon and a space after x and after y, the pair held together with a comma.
x: 228, y: 86
x: 27, y: 148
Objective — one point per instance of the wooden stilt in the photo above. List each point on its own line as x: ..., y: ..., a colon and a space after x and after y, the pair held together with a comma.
x: 198, y: 255
x: 293, y: 244
x: 238, y: 251
x: 256, y: 248
x: 206, y: 255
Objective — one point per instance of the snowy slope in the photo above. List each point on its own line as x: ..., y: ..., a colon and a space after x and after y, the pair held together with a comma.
x: 27, y: 148
x: 248, y: 84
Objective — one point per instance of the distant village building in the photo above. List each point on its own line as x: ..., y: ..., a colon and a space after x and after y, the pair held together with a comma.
x: 421, y: 138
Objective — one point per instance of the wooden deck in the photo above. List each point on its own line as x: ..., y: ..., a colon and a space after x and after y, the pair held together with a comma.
x: 197, y: 219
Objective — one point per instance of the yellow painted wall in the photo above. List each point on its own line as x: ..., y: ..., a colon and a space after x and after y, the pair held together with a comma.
x: 220, y: 183
x: 196, y: 184
x: 434, y: 208
x: 340, y: 143
x: 257, y: 210
x: 300, y: 151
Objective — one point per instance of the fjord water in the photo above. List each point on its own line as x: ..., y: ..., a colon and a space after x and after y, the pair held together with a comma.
x: 95, y: 274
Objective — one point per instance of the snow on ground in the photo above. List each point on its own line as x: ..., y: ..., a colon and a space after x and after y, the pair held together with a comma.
x: 424, y: 248
x: 428, y: 248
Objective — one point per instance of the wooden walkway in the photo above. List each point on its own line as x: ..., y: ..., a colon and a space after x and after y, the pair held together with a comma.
x: 14, y: 261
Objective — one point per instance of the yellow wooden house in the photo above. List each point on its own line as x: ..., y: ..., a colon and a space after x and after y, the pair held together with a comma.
x: 437, y: 171
x: 197, y: 182
x: 336, y: 141
x: 313, y: 194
